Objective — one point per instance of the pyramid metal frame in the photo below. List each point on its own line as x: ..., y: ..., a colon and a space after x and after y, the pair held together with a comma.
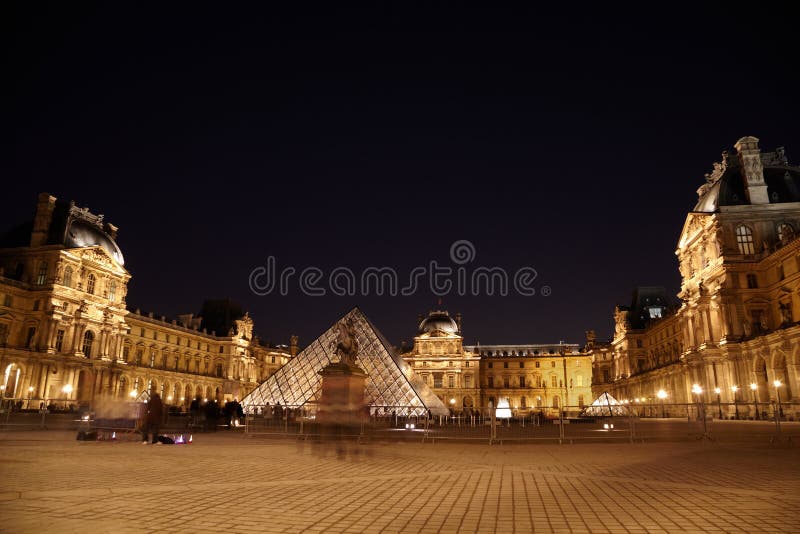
x: 391, y: 383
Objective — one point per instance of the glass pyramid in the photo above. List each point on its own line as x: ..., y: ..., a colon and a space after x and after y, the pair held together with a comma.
x: 391, y: 384
x: 605, y: 405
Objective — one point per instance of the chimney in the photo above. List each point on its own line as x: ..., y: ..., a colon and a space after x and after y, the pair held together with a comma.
x: 752, y: 170
x: 293, y: 345
x: 590, y: 339
x: 458, y: 322
x: 41, y: 222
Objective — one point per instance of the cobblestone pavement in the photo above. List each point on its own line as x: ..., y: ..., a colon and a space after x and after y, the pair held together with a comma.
x: 225, y: 482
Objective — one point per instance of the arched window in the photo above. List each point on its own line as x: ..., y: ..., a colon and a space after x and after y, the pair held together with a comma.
x: 744, y: 238
x: 785, y: 232
x: 90, y: 284
x: 68, y: 277
x: 41, y: 277
x: 88, y: 339
x: 112, y: 291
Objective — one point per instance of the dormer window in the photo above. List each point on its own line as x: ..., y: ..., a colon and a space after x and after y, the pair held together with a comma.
x: 744, y: 239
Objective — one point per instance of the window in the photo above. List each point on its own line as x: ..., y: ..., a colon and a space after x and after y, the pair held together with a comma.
x: 523, y: 402
x: 522, y: 381
x: 8, y: 301
x: 219, y: 370
x: 640, y: 364
x: 273, y: 359
x: 490, y: 382
x: 537, y: 365
x: 59, y: 340
x: 36, y: 305
x: 744, y: 239
x: 468, y: 381
x: 553, y: 381
x: 68, y: 277
x: 88, y: 339
x: 505, y: 382
x: 579, y: 379
x: 220, y: 350
x: 752, y: 281
x: 126, y: 353
x: 90, y: 284
x: 139, y: 354
x: 112, y: 291
x: 152, y: 357
x: 490, y: 365
x: 451, y: 381
x: 141, y: 332
x: 552, y: 364
x: 638, y: 343
x: 41, y: 278
x: 580, y: 401
x: 556, y: 402
x: 466, y: 364
x: 437, y: 380
x: 785, y: 232
x: 505, y: 365
x: 29, y: 338
x: 521, y: 365
x: 577, y: 363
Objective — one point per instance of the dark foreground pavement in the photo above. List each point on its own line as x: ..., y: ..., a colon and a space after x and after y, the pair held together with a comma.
x: 224, y: 482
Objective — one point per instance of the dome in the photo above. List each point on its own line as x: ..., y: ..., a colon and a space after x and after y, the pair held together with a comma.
x: 438, y: 321
x: 726, y: 185
x: 81, y: 234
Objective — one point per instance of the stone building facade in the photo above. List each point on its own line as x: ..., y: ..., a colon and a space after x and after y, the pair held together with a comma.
x: 67, y: 336
x: 736, y: 328
x: 531, y: 378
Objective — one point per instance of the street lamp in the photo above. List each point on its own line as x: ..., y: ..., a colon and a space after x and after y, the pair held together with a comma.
x: 754, y: 387
x: 701, y: 408
x: 662, y: 395
x: 777, y: 384
x: 719, y: 403
x: 30, y: 394
x: 734, y: 389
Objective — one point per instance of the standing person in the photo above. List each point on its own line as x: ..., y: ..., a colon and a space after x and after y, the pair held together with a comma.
x: 154, y: 411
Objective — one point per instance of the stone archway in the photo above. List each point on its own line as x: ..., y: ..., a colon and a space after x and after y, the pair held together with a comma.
x: 85, y: 381
x: 761, y: 380
x: 10, y: 383
x: 780, y: 372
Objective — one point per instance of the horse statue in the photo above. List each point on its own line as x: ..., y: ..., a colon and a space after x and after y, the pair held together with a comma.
x: 346, y: 343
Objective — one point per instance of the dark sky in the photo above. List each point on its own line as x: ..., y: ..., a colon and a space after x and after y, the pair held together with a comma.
x: 572, y: 142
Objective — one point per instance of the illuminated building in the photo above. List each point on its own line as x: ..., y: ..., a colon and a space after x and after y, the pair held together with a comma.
x: 532, y: 378
x: 66, y: 335
x: 737, y: 320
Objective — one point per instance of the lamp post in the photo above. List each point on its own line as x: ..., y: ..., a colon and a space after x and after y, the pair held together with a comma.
x: 662, y: 395
x: 754, y: 387
x: 777, y: 384
x: 30, y: 394
x: 734, y: 389
x: 719, y: 402
x: 701, y: 408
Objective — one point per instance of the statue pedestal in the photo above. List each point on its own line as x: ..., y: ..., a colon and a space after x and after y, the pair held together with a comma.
x: 342, y: 399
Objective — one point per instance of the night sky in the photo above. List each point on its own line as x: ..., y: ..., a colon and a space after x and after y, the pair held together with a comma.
x: 571, y: 142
